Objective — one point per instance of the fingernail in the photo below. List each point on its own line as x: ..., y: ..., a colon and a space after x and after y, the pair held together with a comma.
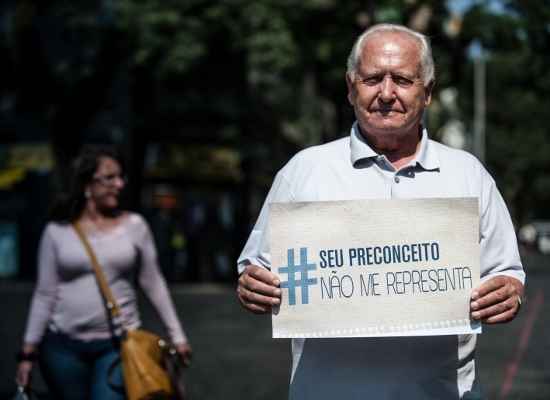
x: 476, y: 315
x: 275, y: 301
x: 276, y: 282
x: 475, y: 295
x: 278, y: 292
x: 474, y: 305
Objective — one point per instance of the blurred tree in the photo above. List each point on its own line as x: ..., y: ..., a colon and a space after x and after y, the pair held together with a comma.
x: 67, y: 59
x: 517, y: 40
x: 267, y: 77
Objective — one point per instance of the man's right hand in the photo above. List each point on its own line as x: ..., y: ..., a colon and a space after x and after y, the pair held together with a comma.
x: 258, y: 289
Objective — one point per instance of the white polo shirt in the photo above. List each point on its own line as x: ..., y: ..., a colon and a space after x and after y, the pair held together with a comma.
x: 434, y: 367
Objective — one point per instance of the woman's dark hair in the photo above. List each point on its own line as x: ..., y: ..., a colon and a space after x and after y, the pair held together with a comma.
x: 69, y: 205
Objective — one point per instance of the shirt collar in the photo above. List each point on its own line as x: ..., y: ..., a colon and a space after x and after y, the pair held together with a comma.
x: 360, y: 149
x: 427, y: 157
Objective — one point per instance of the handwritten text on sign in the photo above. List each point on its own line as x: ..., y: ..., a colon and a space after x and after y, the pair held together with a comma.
x: 375, y: 267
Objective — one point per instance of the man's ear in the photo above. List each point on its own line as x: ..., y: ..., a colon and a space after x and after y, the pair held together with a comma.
x: 428, y: 93
x: 351, y: 88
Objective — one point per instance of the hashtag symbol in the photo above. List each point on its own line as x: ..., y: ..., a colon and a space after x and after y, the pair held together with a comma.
x: 292, y: 269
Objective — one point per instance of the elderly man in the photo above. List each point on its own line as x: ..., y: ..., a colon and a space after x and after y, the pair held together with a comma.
x: 388, y: 155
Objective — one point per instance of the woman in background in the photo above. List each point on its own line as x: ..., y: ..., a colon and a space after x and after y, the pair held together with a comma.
x: 68, y: 329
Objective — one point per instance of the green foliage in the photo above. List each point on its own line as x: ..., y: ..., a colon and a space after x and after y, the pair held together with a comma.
x: 518, y: 100
x: 161, y: 29
x: 268, y: 75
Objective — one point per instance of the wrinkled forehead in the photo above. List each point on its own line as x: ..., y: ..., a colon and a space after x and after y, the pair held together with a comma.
x: 393, y: 47
x: 393, y: 37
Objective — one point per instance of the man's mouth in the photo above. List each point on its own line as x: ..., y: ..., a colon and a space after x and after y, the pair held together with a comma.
x: 385, y: 111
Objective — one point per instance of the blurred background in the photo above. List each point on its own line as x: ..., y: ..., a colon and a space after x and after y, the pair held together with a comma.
x: 208, y: 99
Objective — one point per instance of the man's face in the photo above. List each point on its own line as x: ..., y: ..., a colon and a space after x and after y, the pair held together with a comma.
x: 387, y: 91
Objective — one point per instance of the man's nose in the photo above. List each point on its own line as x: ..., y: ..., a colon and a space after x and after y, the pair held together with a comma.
x: 387, y: 90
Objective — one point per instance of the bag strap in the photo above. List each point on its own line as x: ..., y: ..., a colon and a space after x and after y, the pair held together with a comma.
x: 111, y: 304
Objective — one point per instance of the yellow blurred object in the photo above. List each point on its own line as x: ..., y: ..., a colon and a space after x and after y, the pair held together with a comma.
x: 31, y: 156
x: 11, y: 176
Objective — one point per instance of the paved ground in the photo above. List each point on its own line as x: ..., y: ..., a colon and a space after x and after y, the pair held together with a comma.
x: 514, y: 359
x: 234, y: 352
x: 236, y: 359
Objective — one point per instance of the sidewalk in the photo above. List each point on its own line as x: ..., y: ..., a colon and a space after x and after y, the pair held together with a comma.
x: 234, y: 355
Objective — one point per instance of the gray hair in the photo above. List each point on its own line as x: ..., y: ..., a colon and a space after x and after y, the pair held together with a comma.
x: 426, y: 59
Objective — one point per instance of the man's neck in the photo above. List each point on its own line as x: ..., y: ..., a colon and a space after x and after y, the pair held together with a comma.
x: 400, y: 151
x: 400, y: 159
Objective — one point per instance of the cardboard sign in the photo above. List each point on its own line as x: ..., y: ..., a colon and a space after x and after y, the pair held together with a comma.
x: 375, y: 267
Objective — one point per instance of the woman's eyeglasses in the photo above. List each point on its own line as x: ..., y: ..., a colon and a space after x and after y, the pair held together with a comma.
x: 110, y: 180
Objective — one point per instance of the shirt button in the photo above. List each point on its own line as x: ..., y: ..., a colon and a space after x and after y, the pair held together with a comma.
x: 396, y: 179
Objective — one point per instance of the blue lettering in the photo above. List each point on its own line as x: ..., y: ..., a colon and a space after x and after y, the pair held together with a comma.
x: 361, y: 256
x: 323, y: 262
x: 414, y: 252
x: 377, y: 255
x: 390, y: 283
x: 352, y: 255
x: 369, y: 255
x: 335, y: 258
x: 350, y: 286
x: 325, y: 289
x: 435, y: 251
x: 387, y: 254
x: 406, y: 253
x: 369, y: 288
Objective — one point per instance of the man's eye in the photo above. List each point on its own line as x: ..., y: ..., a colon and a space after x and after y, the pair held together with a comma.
x: 401, y: 81
x: 372, y: 80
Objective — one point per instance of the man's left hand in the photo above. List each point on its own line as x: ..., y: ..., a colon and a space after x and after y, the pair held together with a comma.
x: 497, y: 300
